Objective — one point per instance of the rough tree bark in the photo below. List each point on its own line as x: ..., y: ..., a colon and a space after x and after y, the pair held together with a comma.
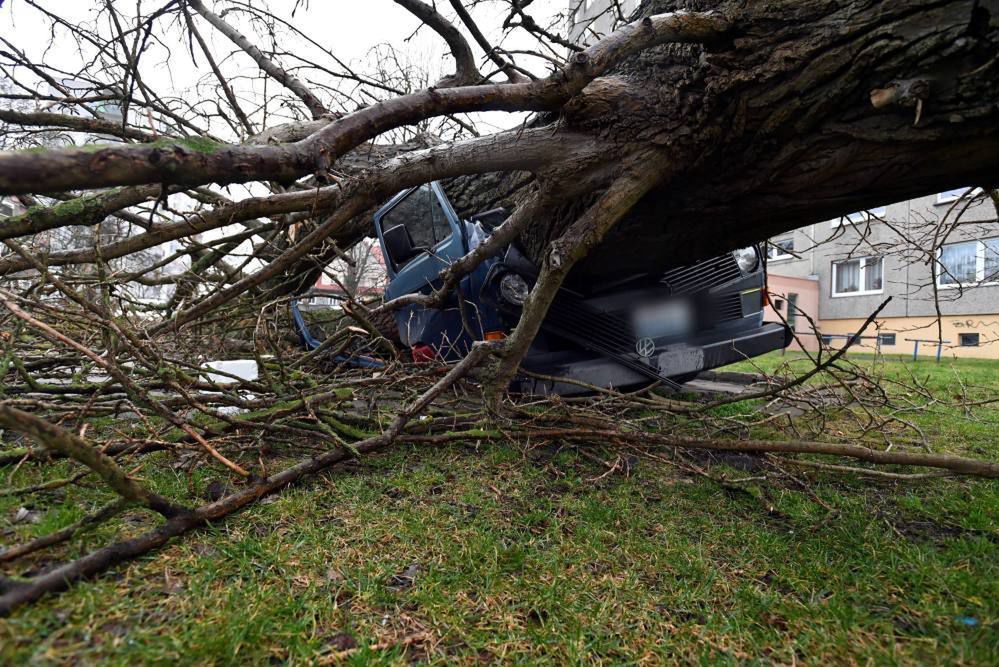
x: 805, y: 112
x: 776, y: 114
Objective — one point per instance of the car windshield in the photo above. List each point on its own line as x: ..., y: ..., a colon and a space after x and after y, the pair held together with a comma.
x: 421, y: 213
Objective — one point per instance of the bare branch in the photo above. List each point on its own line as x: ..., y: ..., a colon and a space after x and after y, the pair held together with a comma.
x: 508, y: 68
x: 195, y: 162
x: 465, y: 73
x: 67, y: 443
x: 316, y: 108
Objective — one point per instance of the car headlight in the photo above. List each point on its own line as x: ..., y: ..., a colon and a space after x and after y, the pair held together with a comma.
x: 747, y: 259
x: 514, y: 289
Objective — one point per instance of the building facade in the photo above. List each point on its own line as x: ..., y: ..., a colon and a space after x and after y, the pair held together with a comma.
x: 934, y: 260
x: 112, y: 228
x: 364, y: 277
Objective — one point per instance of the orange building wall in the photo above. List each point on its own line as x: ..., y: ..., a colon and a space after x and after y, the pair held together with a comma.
x: 807, y: 303
x: 986, y: 326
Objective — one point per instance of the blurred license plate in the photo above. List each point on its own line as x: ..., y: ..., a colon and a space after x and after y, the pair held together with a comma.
x: 670, y: 318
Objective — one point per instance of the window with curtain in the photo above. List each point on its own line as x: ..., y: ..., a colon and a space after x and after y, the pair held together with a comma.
x: 847, y: 277
x: 968, y: 263
x: 991, y: 260
x: 958, y: 263
x: 873, y: 274
x: 864, y: 275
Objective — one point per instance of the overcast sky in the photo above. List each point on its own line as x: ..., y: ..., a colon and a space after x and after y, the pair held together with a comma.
x: 349, y: 28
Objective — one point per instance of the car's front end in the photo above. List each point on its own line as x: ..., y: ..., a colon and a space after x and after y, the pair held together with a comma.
x: 643, y: 328
x: 627, y: 332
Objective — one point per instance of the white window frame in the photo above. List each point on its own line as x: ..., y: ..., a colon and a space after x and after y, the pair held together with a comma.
x: 860, y: 216
x: 951, y: 196
x: 781, y: 254
x: 862, y: 280
x: 979, y: 266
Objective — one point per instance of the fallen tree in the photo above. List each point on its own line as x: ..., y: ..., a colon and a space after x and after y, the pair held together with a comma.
x: 695, y: 128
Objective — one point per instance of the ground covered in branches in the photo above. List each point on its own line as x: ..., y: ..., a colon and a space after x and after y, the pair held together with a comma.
x: 474, y: 551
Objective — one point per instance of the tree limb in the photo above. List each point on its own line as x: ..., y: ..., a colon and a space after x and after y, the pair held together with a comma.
x: 466, y: 73
x: 199, y: 161
x: 286, y: 79
x: 97, y: 126
x: 65, y: 442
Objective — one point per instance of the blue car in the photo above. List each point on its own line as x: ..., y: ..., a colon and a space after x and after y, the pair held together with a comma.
x: 623, y: 334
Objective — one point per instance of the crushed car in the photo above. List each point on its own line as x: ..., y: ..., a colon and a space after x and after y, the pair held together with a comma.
x: 626, y: 333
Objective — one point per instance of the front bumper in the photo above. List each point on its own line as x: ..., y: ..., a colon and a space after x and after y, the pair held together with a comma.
x: 671, y: 360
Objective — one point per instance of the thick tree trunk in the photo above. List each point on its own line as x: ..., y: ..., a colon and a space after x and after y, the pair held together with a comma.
x: 774, y: 114
x: 810, y: 110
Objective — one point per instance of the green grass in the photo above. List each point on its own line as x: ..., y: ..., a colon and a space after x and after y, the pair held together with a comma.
x: 524, y: 556
x: 975, y: 372
x: 945, y: 424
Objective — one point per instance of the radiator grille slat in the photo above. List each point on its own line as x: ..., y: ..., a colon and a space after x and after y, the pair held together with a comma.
x: 703, y: 275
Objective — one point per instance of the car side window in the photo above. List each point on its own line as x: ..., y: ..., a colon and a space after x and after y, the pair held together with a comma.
x: 421, y: 213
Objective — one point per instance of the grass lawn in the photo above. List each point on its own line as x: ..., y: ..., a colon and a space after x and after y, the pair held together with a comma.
x: 496, y: 552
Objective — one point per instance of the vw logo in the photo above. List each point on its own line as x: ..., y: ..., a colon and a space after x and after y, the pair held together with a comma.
x: 645, y: 347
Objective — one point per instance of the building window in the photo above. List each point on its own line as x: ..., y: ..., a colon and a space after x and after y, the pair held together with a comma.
x: 864, y: 275
x: 782, y: 249
x: 886, y: 339
x: 778, y: 304
x: 877, y: 212
x: 968, y: 263
x: 990, y: 260
x: 968, y: 339
x: 792, y: 309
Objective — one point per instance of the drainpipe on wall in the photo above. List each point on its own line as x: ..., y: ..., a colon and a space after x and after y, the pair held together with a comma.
x: 811, y: 253
x: 908, y: 265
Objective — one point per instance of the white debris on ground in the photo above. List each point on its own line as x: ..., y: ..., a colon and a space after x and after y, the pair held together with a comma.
x: 243, y: 369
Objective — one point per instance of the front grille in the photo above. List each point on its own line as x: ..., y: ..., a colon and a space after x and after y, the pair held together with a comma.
x: 571, y: 315
x: 729, y: 306
x: 703, y: 275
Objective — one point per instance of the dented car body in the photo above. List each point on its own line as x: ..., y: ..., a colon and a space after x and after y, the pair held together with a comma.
x: 624, y: 333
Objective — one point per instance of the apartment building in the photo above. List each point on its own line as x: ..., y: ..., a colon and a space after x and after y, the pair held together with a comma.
x: 112, y: 228
x: 935, y: 257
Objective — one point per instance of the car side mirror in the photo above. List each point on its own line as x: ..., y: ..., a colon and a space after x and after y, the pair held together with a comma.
x: 399, y: 245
